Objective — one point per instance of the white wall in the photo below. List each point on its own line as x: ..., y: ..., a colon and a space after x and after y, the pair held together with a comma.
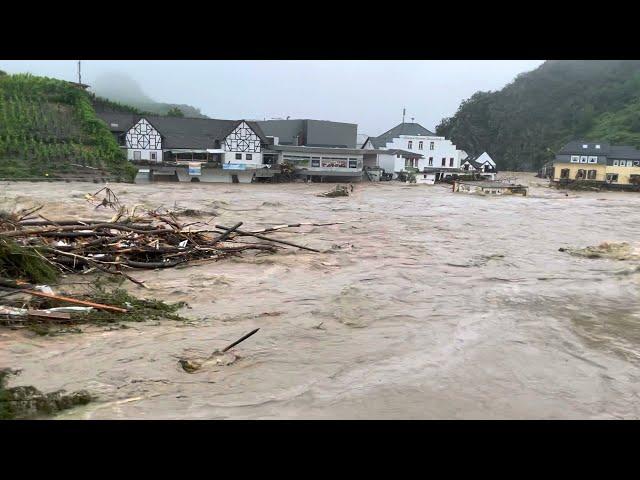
x: 144, y: 154
x: 232, y: 147
x: 442, y: 148
x: 143, y: 138
x: 256, y: 158
x: 388, y: 162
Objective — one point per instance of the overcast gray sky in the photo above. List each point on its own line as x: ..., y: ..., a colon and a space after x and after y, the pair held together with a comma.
x: 369, y: 93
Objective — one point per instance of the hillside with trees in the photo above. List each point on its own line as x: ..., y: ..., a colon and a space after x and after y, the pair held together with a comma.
x: 525, y: 123
x: 49, y: 127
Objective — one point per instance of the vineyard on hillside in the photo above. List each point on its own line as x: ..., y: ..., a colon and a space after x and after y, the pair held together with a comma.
x: 49, y: 127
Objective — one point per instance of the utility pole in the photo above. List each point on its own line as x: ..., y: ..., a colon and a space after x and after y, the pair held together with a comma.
x: 79, y: 74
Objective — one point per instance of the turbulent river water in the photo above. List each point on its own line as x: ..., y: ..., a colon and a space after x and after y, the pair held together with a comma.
x: 424, y: 304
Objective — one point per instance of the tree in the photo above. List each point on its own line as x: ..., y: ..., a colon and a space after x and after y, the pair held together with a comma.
x: 175, y: 112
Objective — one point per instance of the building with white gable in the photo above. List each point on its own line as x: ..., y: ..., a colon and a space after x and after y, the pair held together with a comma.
x: 438, y: 155
x: 483, y: 165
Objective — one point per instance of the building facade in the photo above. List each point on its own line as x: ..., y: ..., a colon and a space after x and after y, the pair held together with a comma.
x: 311, y: 133
x: 438, y: 155
x: 597, y: 162
x: 235, y: 147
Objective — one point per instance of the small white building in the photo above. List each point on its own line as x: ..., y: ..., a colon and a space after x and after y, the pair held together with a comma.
x: 391, y: 161
x: 483, y: 165
x: 437, y: 152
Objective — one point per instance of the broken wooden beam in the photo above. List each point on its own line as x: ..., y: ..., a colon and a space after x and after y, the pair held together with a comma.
x: 99, y: 306
x: 241, y: 339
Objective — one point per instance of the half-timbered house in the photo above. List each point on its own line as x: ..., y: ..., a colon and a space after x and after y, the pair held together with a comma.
x: 159, y: 138
x: 233, y: 145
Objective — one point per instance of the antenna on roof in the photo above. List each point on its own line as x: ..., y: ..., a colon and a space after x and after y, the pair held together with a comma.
x: 404, y: 111
x: 412, y: 119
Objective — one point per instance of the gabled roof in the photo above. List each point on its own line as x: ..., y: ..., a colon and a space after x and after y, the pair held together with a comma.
x: 118, y: 122
x: 401, y: 129
x: 485, y: 158
x: 576, y: 147
x: 472, y: 162
x: 180, y: 132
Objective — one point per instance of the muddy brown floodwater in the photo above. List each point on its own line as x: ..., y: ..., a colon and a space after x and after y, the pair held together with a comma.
x: 425, y: 304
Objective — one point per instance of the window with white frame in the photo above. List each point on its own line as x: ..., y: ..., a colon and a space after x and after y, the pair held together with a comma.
x: 137, y: 155
x: 593, y: 159
x: 420, y: 145
x: 615, y: 163
x: 238, y: 156
x: 629, y: 163
x: 430, y: 161
x: 598, y: 147
x: 432, y: 145
x: 153, y: 155
x: 583, y: 159
x: 451, y: 162
x: 444, y: 162
x: 585, y: 146
x: 575, y: 159
x: 409, y: 144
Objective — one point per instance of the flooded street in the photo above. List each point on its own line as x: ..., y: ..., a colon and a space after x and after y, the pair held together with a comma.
x: 424, y: 304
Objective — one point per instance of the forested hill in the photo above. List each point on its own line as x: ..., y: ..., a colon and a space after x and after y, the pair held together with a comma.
x: 522, y: 125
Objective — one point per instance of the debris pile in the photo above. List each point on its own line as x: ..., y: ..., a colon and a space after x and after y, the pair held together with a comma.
x: 338, y: 191
x: 610, y: 250
x: 37, y: 248
x: 35, y: 251
x: 217, y: 357
x: 27, y: 401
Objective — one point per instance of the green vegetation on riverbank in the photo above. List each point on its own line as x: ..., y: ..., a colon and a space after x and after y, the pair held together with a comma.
x: 48, y: 127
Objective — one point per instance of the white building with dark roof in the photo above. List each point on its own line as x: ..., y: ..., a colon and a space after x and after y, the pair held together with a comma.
x: 483, y: 165
x: 438, y: 155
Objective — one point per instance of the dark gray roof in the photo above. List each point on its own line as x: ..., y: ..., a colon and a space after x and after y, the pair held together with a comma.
x: 180, y: 132
x: 624, y: 152
x: 472, y: 161
x: 576, y: 147
x: 401, y: 129
x: 118, y: 122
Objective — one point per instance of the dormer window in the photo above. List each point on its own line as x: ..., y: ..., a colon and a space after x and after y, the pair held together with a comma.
x: 598, y: 146
x: 585, y: 146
